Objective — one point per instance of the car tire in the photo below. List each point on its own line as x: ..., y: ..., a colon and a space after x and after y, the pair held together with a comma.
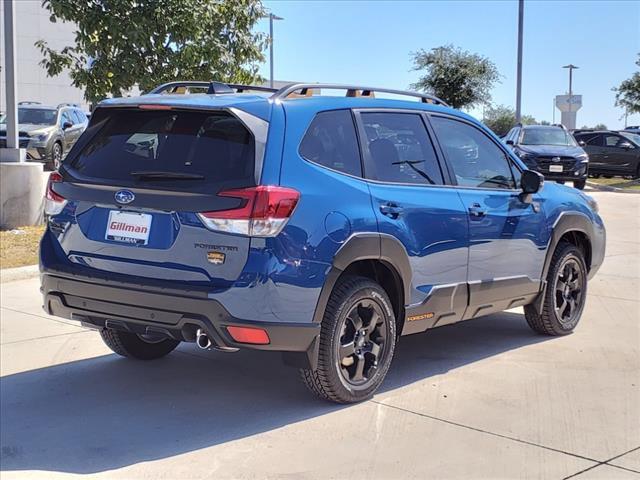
x: 56, y: 156
x: 579, y: 184
x: 564, y: 295
x: 136, y: 346
x: 637, y: 174
x: 594, y: 175
x: 561, y: 182
x: 356, y: 344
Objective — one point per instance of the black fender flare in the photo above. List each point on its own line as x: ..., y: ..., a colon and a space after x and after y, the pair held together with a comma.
x: 361, y: 246
x: 366, y: 246
x: 565, y: 223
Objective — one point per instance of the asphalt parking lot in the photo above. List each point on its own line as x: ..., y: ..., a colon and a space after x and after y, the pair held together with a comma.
x: 481, y: 399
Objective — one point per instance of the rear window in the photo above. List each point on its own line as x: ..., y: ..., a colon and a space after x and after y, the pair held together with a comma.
x: 172, y: 149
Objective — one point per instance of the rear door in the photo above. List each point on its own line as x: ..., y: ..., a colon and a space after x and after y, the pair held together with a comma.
x: 137, y: 179
x: 620, y: 158
x: 413, y: 204
x: 507, y: 236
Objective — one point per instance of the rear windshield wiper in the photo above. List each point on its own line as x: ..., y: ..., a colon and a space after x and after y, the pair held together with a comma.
x: 159, y: 175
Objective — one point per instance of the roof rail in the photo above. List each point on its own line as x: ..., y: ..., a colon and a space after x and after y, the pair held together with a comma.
x: 67, y: 104
x: 212, y: 87
x: 29, y: 102
x: 352, y: 91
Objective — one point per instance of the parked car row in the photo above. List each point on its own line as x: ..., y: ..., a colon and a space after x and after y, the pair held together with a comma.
x: 561, y: 155
x: 47, y: 132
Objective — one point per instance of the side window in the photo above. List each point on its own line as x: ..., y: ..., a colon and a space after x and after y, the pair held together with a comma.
x: 475, y: 159
x: 400, y: 149
x: 331, y: 141
x: 75, y: 116
x: 66, y: 117
x: 612, y: 140
x: 593, y: 139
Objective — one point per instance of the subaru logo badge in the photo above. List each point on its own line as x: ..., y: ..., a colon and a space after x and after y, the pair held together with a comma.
x: 124, y: 196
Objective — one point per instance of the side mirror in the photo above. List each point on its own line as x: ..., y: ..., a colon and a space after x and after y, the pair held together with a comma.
x: 531, y: 182
x: 626, y: 145
x: 509, y: 142
x: 67, y: 125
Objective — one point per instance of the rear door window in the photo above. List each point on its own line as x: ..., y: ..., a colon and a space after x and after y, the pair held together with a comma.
x: 331, y: 141
x: 400, y: 149
x: 172, y: 149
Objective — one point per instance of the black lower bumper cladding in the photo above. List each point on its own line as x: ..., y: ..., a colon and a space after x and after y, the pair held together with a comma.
x: 147, y: 311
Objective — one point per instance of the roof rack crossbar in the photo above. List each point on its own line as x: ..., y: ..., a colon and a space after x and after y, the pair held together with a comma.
x: 251, y: 88
x: 287, y: 90
x: 212, y: 87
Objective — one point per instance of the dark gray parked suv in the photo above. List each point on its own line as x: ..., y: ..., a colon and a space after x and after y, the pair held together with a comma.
x: 47, y: 133
x: 611, y: 153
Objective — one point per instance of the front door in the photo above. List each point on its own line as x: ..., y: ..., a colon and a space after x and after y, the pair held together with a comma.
x: 413, y: 205
x: 507, y: 235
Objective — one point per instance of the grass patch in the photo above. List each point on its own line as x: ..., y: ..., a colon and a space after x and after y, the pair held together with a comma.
x: 617, y: 182
x: 19, y: 247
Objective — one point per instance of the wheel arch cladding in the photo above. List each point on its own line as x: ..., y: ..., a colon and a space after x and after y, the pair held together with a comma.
x: 377, y: 256
x: 578, y: 229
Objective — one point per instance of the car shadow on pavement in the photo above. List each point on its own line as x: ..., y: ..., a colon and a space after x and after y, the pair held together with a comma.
x: 106, y: 412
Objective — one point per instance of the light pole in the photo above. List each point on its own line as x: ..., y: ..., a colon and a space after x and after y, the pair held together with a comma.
x: 571, y: 67
x: 12, y: 151
x: 272, y: 17
x: 519, y: 72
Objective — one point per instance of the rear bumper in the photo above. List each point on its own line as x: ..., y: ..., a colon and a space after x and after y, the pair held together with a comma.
x: 140, y: 309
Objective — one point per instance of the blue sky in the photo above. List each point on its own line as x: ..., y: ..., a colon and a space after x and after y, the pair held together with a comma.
x: 370, y: 43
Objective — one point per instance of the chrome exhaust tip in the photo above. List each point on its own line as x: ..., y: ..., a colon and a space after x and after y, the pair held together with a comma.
x: 202, y: 340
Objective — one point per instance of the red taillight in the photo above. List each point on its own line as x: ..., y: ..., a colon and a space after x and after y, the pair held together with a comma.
x: 264, y: 211
x: 155, y: 107
x: 54, y: 202
x: 256, y: 336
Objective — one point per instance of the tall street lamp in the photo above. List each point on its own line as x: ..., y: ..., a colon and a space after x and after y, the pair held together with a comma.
x: 519, y: 71
x: 272, y: 17
x: 571, y: 67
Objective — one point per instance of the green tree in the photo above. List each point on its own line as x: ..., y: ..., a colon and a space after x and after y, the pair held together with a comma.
x: 501, y: 119
x: 122, y: 43
x: 460, y: 78
x: 600, y: 126
x: 628, y: 92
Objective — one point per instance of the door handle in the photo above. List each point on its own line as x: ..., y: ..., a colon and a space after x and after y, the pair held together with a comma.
x: 477, y: 211
x: 391, y: 210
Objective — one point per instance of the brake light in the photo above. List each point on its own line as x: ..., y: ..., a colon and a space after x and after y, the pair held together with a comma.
x: 54, y: 203
x: 264, y: 212
x: 256, y: 336
x: 148, y: 106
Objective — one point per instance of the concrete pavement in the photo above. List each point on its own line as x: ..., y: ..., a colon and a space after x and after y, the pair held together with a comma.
x: 480, y: 399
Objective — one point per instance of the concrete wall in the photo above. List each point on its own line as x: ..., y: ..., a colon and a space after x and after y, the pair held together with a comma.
x: 32, y: 24
x: 22, y: 187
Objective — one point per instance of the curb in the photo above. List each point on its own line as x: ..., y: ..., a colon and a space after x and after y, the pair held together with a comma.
x: 19, y: 273
x: 607, y: 188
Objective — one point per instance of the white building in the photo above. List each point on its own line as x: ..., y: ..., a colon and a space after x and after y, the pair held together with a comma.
x: 33, y: 24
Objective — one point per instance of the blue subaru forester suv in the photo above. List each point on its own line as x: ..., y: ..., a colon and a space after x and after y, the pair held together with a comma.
x: 324, y: 227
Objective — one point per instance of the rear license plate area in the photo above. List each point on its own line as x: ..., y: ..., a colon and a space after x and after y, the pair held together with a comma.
x: 128, y: 227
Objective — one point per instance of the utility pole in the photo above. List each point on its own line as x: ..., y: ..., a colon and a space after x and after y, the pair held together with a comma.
x: 519, y: 73
x: 272, y: 17
x: 12, y: 153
